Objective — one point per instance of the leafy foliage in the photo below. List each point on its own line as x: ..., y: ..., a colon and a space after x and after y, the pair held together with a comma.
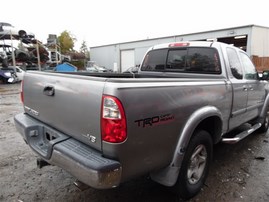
x: 84, y: 49
x: 66, y: 42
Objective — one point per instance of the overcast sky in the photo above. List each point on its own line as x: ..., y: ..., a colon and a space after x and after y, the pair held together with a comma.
x: 101, y: 22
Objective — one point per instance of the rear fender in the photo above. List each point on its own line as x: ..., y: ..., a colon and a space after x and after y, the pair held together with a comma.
x: 168, y: 175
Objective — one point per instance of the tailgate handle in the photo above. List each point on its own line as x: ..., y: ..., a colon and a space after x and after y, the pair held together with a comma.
x: 49, y: 91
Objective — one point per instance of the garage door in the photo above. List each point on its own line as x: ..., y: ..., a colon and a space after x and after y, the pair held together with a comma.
x: 127, y: 59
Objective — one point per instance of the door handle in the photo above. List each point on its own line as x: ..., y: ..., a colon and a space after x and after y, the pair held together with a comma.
x: 49, y: 91
x: 245, y: 88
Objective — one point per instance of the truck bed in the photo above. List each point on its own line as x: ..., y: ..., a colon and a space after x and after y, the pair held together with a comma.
x: 71, y: 102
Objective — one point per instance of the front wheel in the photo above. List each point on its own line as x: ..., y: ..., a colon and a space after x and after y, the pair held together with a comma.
x: 195, y: 165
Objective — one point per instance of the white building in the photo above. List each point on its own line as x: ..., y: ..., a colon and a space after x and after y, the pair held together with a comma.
x: 254, y: 39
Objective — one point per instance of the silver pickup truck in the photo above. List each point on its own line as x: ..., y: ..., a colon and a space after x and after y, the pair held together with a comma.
x: 107, y: 128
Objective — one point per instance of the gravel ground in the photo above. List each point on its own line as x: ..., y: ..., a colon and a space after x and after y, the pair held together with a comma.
x: 238, y: 172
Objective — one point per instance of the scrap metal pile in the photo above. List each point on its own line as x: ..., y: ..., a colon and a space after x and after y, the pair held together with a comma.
x: 26, y: 51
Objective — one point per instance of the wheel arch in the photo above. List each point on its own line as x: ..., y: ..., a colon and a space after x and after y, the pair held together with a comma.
x: 213, y: 125
x: 201, y: 119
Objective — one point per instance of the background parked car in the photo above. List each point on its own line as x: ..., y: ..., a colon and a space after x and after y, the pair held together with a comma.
x: 8, y: 75
x: 92, y: 66
x: 20, y: 73
x: 98, y: 69
x: 131, y: 70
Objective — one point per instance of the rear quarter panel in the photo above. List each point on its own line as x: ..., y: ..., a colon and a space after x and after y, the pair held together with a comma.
x: 156, y: 112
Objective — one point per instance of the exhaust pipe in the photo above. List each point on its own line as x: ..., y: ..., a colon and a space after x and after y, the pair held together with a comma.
x: 80, y: 185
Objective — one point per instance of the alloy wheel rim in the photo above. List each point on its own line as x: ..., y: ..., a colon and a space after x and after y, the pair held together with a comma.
x: 197, y: 164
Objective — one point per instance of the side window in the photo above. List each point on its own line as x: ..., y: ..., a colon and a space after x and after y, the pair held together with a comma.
x: 250, y: 70
x: 235, y: 65
x: 155, y: 60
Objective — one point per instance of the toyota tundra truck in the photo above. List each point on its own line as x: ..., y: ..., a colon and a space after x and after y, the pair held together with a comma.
x: 108, y: 128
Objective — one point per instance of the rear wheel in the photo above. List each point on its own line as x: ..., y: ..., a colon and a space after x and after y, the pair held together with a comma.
x: 195, y: 165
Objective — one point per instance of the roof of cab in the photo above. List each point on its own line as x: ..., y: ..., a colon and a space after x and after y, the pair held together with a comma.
x: 182, y: 44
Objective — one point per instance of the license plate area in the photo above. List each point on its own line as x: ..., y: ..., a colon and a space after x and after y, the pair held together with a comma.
x: 50, y: 135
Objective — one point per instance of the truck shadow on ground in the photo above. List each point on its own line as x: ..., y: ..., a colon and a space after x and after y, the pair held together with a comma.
x: 142, y: 189
x: 229, y: 162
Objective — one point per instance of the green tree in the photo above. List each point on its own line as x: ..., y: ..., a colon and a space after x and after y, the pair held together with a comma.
x: 66, y: 42
x: 84, y: 49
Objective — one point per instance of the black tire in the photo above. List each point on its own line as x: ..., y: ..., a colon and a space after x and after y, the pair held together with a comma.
x: 3, y: 80
x: 265, y: 125
x: 195, y: 165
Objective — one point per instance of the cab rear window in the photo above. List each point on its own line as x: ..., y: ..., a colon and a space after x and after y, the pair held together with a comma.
x: 203, y: 60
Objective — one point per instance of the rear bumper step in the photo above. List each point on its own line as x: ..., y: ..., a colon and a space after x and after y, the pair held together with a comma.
x: 80, y: 160
x: 241, y: 135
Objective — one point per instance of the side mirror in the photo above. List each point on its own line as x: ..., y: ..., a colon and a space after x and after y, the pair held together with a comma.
x: 265, y: 75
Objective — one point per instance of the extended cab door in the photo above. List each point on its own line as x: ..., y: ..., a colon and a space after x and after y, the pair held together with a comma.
x: 255, y: 87
x: 248, y: 91
x: 240, y: 89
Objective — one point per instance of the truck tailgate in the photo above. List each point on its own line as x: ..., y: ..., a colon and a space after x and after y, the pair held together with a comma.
x: 68, y: 103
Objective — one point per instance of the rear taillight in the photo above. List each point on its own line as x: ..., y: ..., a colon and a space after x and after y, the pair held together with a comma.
x: 113, y: 120
x: 22, y: 96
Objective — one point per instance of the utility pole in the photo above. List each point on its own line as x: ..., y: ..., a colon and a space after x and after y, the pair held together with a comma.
x: 13, y: 54
x: 38, y: 55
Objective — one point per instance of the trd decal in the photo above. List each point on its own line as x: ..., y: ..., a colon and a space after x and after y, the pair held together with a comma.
x: 156, y: 120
